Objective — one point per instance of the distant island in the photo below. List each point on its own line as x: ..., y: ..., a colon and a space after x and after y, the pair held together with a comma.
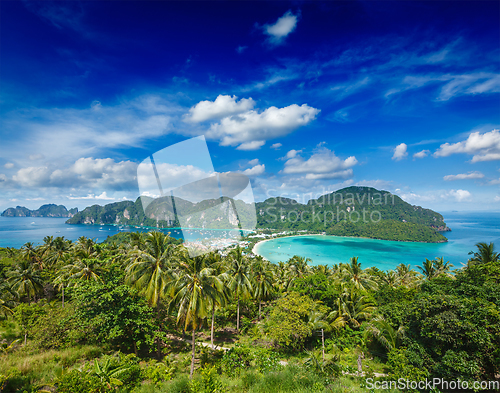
x: 352, y: 211
x: 50, y: 210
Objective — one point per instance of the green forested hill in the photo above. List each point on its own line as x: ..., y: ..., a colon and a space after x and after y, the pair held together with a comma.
x: 49, y: 210
x: 352, y: 211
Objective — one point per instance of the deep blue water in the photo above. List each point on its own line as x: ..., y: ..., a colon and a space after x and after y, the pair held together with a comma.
x: 16, y: 231
x: 468, y: 228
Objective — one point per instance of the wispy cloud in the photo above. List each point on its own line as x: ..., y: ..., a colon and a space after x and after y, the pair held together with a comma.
x: 464, y: 176
x: 74, y: 133
x: 451, y: 85
x: 437, y: 196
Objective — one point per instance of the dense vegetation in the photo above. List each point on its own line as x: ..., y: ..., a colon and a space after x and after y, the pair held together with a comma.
x: 140, y: 315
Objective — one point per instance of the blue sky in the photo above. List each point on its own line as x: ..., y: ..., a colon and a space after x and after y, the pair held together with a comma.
x: 305, y: 98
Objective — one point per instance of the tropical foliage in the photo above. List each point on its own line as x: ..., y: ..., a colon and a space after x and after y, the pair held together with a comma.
x: 114, y: 317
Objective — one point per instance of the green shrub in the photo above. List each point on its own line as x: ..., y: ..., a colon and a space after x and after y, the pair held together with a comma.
x: 77, y: 381
x: 157, y: 372
x: 179, y: 385
x: 207, y: 382
x: 266, y: 360
x: 235, y: 360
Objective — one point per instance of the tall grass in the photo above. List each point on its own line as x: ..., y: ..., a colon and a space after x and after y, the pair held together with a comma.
x: 28, y: 367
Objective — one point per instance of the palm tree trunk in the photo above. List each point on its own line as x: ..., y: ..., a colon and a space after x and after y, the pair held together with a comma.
x: 192, y: 356
x: 25, y: 337
x: 238, y: 318
x: 212, y: 330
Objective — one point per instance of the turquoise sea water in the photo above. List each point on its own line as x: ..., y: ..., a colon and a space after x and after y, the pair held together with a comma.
x: 467, y: 230
x: 16, y: 231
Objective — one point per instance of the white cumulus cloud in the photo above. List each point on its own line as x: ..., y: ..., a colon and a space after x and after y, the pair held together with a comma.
x: 323, y: 164
x: 252, y: 129
x: 32, y: 176
x: 400, y: 152
x: 292, y: 153
x: 84, y: 173
x: 9, y: 165
x: 459, y: 195
x: 482, y: 147
x: 223, y: 106
x: 421, y: 154
x: 255, y: 171
x: 276, y: 146
x: 278, y: 31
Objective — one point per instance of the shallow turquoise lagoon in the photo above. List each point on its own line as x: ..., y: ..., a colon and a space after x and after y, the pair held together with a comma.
x: 467, y: 230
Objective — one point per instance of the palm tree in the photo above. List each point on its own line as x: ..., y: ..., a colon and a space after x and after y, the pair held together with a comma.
x: 485, y: 253
x: 282, y: 276
x: 239, y: 278
x: 317, y: 321
x: 351, y: 309
x: 149, y: 268
x: 428, y: 269
x: 32, y: 254
x: 391, y: 279
x: 62, y: 280
x: 58, y: 249
x: 25, y: 280
x: 85, y: 248
x: 322, y: 269
x: 82, y: 270
x: 137, y: 240
x: 262, y: 280
x: 4, y: 310
x: 218, y: 269
x: 384, y: 333
x: 7, y: 298
x: 406, y: 276
x: 442, y: 267
x: 299, y: 266
x: 360, y: 278
x: 194, y: 288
